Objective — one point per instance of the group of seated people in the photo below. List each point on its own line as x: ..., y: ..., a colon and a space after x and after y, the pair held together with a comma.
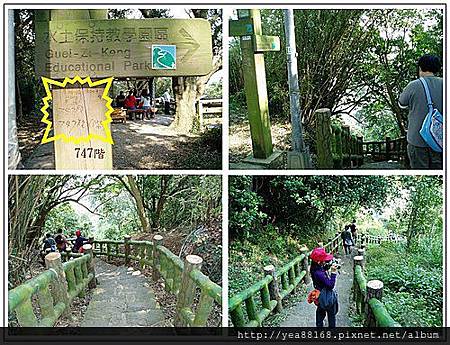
x: 133, y: 103
x: 60, y: 243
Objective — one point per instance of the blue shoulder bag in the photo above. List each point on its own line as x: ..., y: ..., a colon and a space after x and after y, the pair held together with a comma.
x: 433, y: 125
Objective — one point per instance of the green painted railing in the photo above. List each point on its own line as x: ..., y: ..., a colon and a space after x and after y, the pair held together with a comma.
x: 367, y: 296
x: 250, y: 307
x: 196, y: 293
x: 40, y: 301
x: 338, y: 148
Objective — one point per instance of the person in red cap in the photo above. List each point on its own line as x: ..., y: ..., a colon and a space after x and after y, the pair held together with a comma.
x: 80, y: 240
x: 324, y: 276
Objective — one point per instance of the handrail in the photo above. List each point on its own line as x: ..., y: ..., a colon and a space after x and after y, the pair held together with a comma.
x: 55, y: 288
x: 338, y: 148
x: 179, y: 278
x: 367, y: 296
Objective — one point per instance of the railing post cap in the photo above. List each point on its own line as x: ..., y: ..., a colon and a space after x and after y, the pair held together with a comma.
x: 194, y: 259
x: 375, y: 284
x: 157, y: 238
x: 87, y: 246
x: 53, y: 256
x: 358, y: 258
x: 269, y: 268
x: 127, y: 237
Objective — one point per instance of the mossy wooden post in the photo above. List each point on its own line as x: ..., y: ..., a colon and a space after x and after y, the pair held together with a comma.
x: 187, y: 292
x: 126, y: 240
x: 274, y: 290
x: 305, y: 265
x: 337, y: 145
x: 374, y: 290
x: 361, y: 252
x: 323, y: 139
x: 59, y: 288
x: 388, y: 149
x: 88, y: 250
x: 108, y: 251
x: 347, y: 152
x: 255, y: 85
x: 157, y: 241
x: 360, y: 150
x: 357, y: 261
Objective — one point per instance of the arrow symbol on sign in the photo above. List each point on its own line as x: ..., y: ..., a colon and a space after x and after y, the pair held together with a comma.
x: 189, y: 42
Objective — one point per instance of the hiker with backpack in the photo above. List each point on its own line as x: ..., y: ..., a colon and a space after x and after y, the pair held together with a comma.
x: 49, y: 246
x: 61, y: 241
x: 79, y: 241
x: 423, y: 98
x: 323, y: 274
x: 347, y: 239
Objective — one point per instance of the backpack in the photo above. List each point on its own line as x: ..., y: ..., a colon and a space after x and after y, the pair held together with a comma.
x: 328, y: 299
x: 432, y: 126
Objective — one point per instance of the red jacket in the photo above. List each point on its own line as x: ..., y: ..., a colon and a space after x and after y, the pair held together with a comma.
x: 130, y: 102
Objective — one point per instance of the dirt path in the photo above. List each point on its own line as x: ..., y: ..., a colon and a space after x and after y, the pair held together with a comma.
x: 138, y: 144
x: 304, y: 314
x: 122, y: 298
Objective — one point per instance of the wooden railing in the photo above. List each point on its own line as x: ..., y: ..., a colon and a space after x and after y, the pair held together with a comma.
x: 41, y: 301
x: 366, y: 239
x: 250, y: 307
x: 208, y: 106
x: 196, y: 293
x: 337, y: 148
x: 367, y: 296
x: 389, y: 149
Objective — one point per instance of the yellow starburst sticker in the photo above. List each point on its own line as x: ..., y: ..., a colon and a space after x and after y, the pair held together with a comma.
x: 107, y: 138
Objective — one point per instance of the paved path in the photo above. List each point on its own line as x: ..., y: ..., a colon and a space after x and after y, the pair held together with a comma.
x: 122, y: 298
x: 304, y: 314
x: 391, y: 165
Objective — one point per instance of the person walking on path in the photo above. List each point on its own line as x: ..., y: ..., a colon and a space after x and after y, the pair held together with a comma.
x: 354, y: 231
x: 166, y: 97
x: 414, y: 98
x: 323, y: 275
x: 347, y: 239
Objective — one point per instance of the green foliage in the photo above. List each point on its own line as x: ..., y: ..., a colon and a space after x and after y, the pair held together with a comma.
x: 355, y: 62
x: 245, y: 215
x: 413, y: 280
x: 305, y: 206
x: 214, y: 90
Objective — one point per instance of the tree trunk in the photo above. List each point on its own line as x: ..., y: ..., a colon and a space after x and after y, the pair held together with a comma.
x: 186, y: 90
x: 139, y: 204
x: 161, y: 200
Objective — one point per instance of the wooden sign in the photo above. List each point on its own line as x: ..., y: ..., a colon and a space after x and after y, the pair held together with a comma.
x: 262, y: 43
x: 123, y: 48
x: 241, y: 27
x: 80, y: 112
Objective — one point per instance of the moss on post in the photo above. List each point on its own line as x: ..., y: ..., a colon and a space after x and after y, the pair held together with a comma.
x: 46, y: 303
x: 324, y: 139
x: 305, y: 265
x: 79, y: 279
x: 274, y: 290
x: 157, y: 241
x: 88, y: 250
x: 374, y: 290
x: 126, y: 240
x: 237, y: 316
x: 203, y: 310
x: 187, y: 292
x: 60, y: 287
